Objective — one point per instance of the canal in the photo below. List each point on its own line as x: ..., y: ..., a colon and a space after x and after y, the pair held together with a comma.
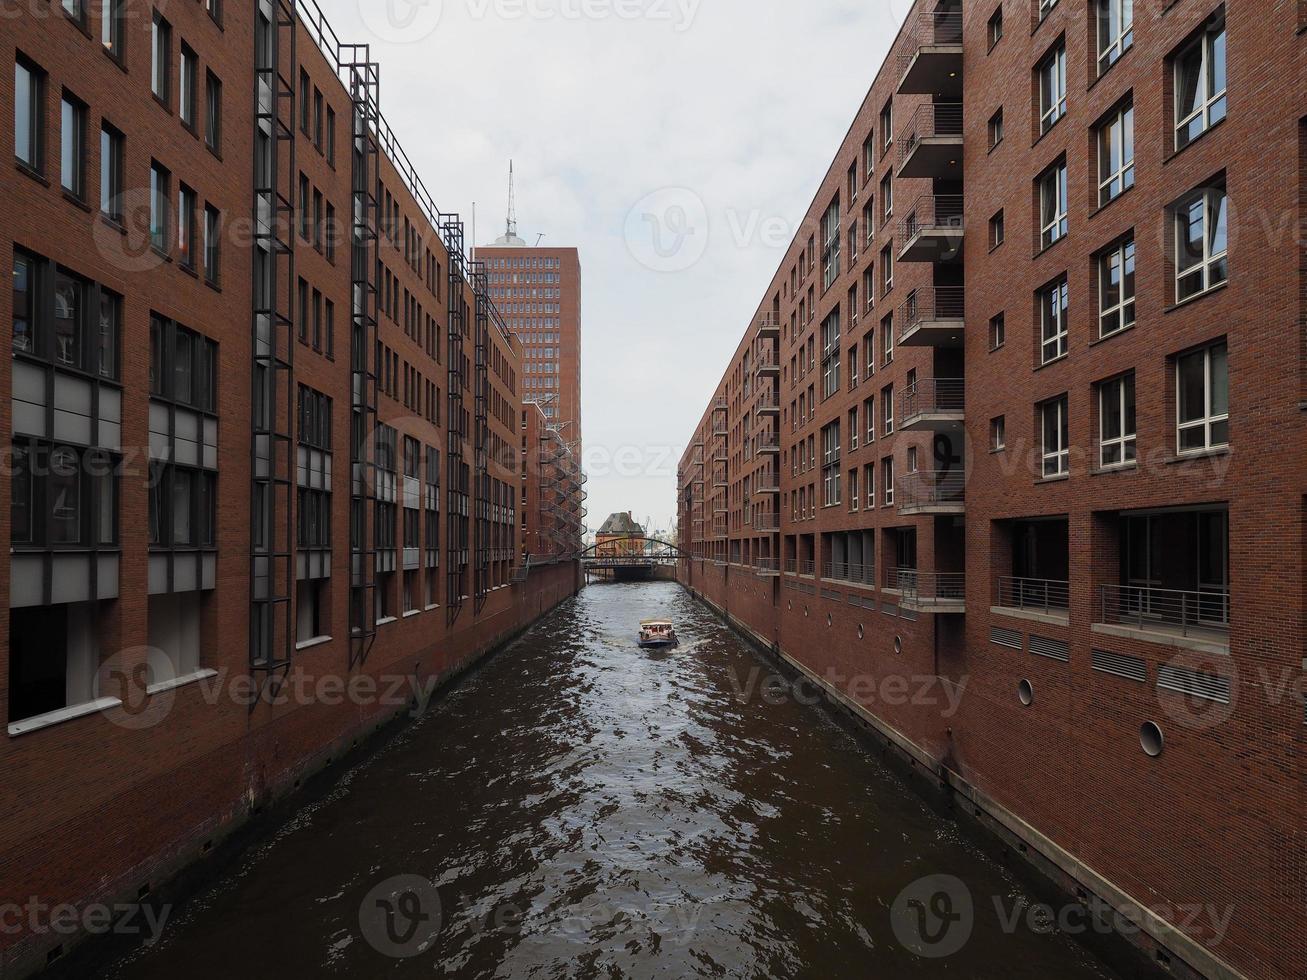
x: 577, y: 807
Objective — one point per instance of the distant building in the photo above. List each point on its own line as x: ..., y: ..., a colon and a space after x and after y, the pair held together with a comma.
x: 619, y: 535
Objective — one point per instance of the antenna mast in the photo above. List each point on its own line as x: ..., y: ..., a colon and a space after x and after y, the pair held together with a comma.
x: 512, y: 204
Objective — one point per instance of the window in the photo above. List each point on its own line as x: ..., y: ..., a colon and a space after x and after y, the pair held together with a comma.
x: 1052, y: 88
x: 996, y: 128
x: 853, y: 429
x: 1200, y: 84
x: 996, y: 230
x: 1045, y: 6
x: 190, y: 66
x: 186, y: 227
x: 1053, y: 321
x: 81, y: 328
x: 111, y: 27
x: 1052, y: 205
x: 830, y: 248
x: 212, y: 111
x: 63, y: 496
x: 331, y: 136
x: 317, y: 119
x: 304, y: 102
x: 1200, y: 243
x: 887, y: 480
x: 887, y: 125
x: 182, y: 366
x: 29, y: 115
x: 111, y: 172
x: 160, y: 58
x: 995, y: 29
x: 1116, y: 154
x: 1116, y: 421
x: 887, y: 410
x: 331, y: 233
x: 183, y: 507
x: 998, y: 433
x: 869, y: 155
x: 886, y: 198
x: 1055, y: 446
x: 214, y: 8
x: 887, y: 339
x: 830, y: 354
x: 1116, y: 288
x: 997, y: 332
x: 76, y: 9
x: 72, y: 146
x: 212, y: 244
x: 1116, y: 31
x: 830, y: 464
x: 886, y: 269
x: 304, y: 214
x: 159, y: 180
x: 1202, y: 399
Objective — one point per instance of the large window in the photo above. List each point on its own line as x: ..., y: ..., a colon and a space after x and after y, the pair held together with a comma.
x: 62, y: 496
x: 1116, y: 154
x: 830, y: 248
x: 830, y: 354
x: 183, y: 507
x: 1202, y: 399
x: 111, y: 172
x: 1116, y: 421
x: 29, y: 115
x: 1116, y: 31
x: 160, y: 58
x: 72, y: 146
x: 188, y: 96
x: 1052, y: 205
x: 183, y: 366
x: 159, y: 181
x: 1200, y: 84
x: 313, y: 512
x: 1056, y: 437
x: 212, y: 244
x: 212, y: 111
x: 1116, y: 288
x: 1200, y: 243
x: 1052, y: 88
x: 186, y: 227
x: 111, y: 26
x: 830, y: 463
x: 1053, y: 321
x: 64, y: 319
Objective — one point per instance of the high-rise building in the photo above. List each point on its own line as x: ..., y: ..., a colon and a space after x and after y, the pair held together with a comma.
x: 1020, y: 420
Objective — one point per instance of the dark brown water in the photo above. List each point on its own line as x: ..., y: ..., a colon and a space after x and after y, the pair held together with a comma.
x: 579, y: 808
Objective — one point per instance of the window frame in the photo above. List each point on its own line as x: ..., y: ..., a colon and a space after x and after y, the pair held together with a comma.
x: 1052, y: 87
x: 1210, y: 107
x: 1123, y: 310
x: 1055, y: 316
x: 70, y: 105
x: 1054, y: 205
x: 1210, y: 418
x: 1120, y: 392
x: 1060, y: 456
x: 112, y: 151
x: 1120, y: 43
x: 161, y: 59
x: 1215, y: 216
x: 1113, y: 182
x: 35, y: 122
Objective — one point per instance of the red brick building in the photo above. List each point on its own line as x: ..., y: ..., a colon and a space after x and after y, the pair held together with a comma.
x: 1022, y: 412
x: 265, y: 431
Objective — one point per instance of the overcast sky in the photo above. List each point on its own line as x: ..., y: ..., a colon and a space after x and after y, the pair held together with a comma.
x: 674, y: 142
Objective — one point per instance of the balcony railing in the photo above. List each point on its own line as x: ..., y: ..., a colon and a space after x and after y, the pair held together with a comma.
x: 766, y: 362
x: 769, y: 324
x: 932, y: 397
x: 939, y: 491
x: 768, y: 522
x: 767, y: 566
x: 766, y: 484
x: 1034, y: 594
x: 795, y: 566
x: 933, y: 59
x: 927, y: 588
x: 932, y: 121
x: 1166, y: 611
x: 931, y: 230
x: 767, y: 444
x: 767, y: 402
x: 844, y: 571
x: 931, y: 304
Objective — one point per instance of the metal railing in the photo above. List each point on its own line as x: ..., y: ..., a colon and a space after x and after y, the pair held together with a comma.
x: 766, y: 521
x: 931, y: 28
x: 927, y: 587
x: 769, y: 322
x: 767, y: 443
x: 931, y: 212
x: 931, y: 488
x: 930, y: 119
x: 766, y: 484
x: 795, y: 566
x: 1165, y: 610
x: 766, y: 360
x: 928, y: 303
x: 767, y: 565
x: 932, y: 396
x: 1034, y: 594
x: 766, y: 400
x: 844, y: 571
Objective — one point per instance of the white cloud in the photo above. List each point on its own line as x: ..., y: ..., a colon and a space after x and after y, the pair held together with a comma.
x: 744, y: 107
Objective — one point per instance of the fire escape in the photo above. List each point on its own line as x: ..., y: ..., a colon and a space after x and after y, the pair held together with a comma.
x: 272, y: 578
x: 481, y: 436
x: 457, y: 516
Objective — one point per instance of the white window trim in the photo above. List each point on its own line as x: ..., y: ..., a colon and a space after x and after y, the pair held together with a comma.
x: 1126, y: 439
x: 1209, y: 418
x: 1124, y: 174
x: 1060, y: 456
x: 1059, y: 338
x: 1123, y: 41
x: 1211, y: 198
x: 1051, y: 226
x: 1204, y: 100
x: 1118, y: 309
x: 1053, y: 68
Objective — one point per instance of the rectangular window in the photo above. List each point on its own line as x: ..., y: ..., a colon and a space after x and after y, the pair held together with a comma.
x: 1116, y: 31
x: 1202, y: 400
x: 1052, y: 88
x: 182, y: 365
x: 317, y: 119
x: 887, y: 125
x: 186, y: 227
x: 1053, y: 321
x: 869, y: 415
x: 1116, y: 421
x: 1199, y: 79
x: 887, y: 339
x: 212, y: 244
x: 996, y: 128
x: 72, y: 146
x: 1055, y: 444
x: 830, y: 354
x: 1052, y: 205
x: 188, y: 95
x: 995, y: 30
x: 996, y: 230
x: 868, y: 155
x: 1200, y: 243
x: 159, y: 182
x: 111, y: 27
x: 830, y: 473
x: 887, y: 480
x: 212, y: 111
x: 830, y: 248
x: 886, y: 198
x: 1116, y: 154
x: 304, y: 102
x: 887, y: 410
x: 331, y: 136
x: 886, y: 269
x: 304, y: 213
x: 29, y: 115
x: 998, y: 433
x: 997, y: 331
x: 1116, y: 288
x: 160, y: 58
x: 111, y: 172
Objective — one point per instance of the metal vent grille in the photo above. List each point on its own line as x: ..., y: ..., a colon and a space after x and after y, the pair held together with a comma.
x: 908, y: 614
x: 889, y: 609
x: 1131, y: 668
x: 1005, y: 637
x: 1053, y: 649
x: 1210, y: 687
x: 832, y: 594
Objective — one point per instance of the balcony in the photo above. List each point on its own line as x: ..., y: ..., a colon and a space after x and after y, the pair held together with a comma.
x: 767, y: 404
x: 766, y: 522
x: 769, y: 325
x: 929, y: 592
x: 932, y: 492
x: 932, y: 229
x: 931, y: 143
x: 1165, y: 613
x: 1039, y: 596
x: 766, y: 364
x: 799, y: 567
x: 933, y: 404
x: 933, y: 65
x: 766, y: 567
x: 766, y: 484
x: 932, y: 316
x: 720, y: 428
x: 767, y: 445
x: 854, y: 574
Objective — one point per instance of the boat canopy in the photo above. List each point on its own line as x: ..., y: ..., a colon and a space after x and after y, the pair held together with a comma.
x: 656, y: 622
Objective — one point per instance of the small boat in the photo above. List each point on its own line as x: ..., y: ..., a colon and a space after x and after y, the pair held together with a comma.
x: 657, y: 633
